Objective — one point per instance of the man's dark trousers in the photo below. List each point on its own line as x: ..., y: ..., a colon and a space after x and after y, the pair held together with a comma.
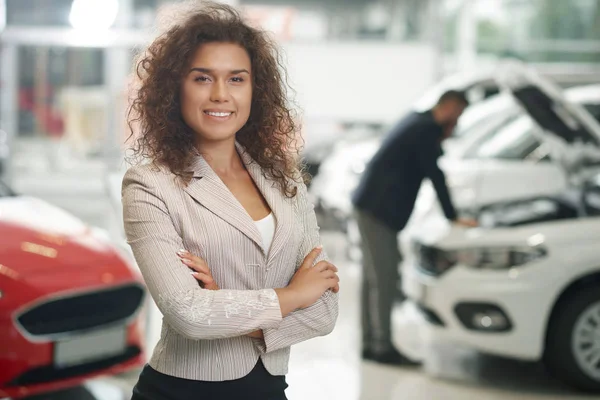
x: 381, y: 261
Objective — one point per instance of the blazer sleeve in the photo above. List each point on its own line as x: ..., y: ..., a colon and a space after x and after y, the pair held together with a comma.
x: 318, y: 319
x: 192, y: 311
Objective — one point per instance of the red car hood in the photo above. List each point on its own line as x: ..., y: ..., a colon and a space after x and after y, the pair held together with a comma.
x: 40, y: 239
x: 40, y: 216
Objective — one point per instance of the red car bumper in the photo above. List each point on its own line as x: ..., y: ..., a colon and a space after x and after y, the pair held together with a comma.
x: 63, y: 340
x: 69, y: 310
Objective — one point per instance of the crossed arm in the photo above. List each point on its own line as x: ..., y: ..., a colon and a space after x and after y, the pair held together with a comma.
x: 201, y: 314
x: 301, y: 324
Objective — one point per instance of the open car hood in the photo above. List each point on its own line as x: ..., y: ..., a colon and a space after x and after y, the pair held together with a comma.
x: 559, y: 120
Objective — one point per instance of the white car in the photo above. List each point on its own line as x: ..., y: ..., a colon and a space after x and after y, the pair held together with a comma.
x: 496, y: 156
x: 526, y: 284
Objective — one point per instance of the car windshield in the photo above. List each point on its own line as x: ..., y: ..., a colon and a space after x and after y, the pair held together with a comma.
x: 514, y: 141
x: 511, y: 136
x: 594, y: 109
x: 474, y: 116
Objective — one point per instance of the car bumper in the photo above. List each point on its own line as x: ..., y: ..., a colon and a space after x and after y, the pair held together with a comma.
x: 70, y: 348
x: 44, y: 376
x: 489, y: 296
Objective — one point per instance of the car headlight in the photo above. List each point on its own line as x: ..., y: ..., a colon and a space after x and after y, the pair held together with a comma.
x: 496, y: 257
x: 437, y: 261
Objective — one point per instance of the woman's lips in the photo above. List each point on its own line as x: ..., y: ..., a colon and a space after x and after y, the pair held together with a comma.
x: 218, y: 115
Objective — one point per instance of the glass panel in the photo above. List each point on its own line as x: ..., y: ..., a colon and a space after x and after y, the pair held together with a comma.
x: 514, y: 141
x: 594, y: 109
x: 64, y: 105
x: 38, y: 12
x: 47, y: 76
x: 485, y: 113
x: 533, y: 30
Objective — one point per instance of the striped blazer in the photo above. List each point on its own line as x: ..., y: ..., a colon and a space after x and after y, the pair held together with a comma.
x: 203, y: 331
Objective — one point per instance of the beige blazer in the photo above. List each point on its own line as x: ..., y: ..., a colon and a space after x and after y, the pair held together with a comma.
x: 203, y: 331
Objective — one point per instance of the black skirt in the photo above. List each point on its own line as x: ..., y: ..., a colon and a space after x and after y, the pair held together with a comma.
x: 259, y: 384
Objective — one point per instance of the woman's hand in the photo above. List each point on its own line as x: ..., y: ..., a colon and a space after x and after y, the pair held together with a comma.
x: 309, y: 283
x: 200, y: 269
x: 256, y: 334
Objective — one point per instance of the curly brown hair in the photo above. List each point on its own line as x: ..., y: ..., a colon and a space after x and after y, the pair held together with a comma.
x: 270, y: 134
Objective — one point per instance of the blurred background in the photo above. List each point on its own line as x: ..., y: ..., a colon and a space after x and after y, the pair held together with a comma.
x: 356, y: 67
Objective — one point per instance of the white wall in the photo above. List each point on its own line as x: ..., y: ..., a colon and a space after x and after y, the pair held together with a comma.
x: 358, y: 81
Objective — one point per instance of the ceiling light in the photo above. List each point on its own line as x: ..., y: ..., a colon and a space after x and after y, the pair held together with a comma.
x: 93, y: 14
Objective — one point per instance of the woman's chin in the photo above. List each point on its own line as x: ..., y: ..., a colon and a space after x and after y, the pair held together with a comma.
x: 215, y: 137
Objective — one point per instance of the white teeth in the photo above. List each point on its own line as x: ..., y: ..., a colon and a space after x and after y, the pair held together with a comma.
x: 218, y: 114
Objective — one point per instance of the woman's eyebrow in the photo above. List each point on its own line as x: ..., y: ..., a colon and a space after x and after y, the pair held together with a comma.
x: 209, y: 71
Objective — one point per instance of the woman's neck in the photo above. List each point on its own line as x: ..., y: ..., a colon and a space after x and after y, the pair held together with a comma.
x: 222, y: 156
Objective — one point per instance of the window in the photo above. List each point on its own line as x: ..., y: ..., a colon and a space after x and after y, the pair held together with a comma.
x: 593, y: 109
x: 514, y: 141
x: 480, y: 113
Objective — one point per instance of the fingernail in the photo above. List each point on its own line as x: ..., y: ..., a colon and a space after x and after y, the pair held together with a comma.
x: 320, y: 247
x: 181, y: 251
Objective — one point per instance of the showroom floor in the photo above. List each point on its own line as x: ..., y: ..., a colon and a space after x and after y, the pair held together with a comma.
x: 325, y: 368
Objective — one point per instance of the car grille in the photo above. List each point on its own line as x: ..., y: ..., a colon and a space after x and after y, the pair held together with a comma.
x: 51, y: 373
x: 82, y: 311
x: 432, y: 260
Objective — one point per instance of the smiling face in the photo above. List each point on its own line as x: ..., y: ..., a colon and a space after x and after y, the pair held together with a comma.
x: 216, y: 93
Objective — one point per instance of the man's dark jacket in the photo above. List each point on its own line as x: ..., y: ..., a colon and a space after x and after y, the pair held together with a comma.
x: 389, y: 186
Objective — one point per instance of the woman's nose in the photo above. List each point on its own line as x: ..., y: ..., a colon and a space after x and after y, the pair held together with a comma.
x: 219, y: 92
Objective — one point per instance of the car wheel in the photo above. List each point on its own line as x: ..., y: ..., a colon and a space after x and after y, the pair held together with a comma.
x: 573, y: 343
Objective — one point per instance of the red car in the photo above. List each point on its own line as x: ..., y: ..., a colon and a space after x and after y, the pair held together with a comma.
x: 70, y: 302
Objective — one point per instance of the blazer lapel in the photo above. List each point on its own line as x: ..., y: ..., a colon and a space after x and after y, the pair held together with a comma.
x: 208, y: 189
x: 283, y: 212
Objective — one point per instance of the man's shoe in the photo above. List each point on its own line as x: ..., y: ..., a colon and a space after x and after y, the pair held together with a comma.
x: 390, y: 357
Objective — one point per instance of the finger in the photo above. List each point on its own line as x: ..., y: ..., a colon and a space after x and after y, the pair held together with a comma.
x: 330, y: 266
x: 333, y: 283
x: 190, y: 256
x: 328, y: 274
x: 309, y: 260
x: 325, y: 265
x: 197, y: 260
x: 183, y: 253
x: 336, y: 288
x: 196, y: 267
x: 204, y: 278
x: 201, y: 267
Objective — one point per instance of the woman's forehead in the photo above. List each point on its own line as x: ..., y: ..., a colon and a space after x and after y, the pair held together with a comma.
x: 221, y: 56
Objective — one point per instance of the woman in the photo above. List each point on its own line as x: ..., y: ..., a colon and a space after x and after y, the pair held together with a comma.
x: 218, y: 219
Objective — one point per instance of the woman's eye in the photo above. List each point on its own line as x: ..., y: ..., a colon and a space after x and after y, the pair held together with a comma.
x: 201, y: 79
x: 237, y: 79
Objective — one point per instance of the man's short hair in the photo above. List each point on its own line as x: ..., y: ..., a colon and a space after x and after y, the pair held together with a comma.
x: 454, y: 95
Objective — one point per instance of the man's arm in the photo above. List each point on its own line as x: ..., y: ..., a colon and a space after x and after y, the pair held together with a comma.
x: 428, y: 162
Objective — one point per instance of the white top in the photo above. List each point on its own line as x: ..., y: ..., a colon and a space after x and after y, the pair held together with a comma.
x: 266, y: 227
